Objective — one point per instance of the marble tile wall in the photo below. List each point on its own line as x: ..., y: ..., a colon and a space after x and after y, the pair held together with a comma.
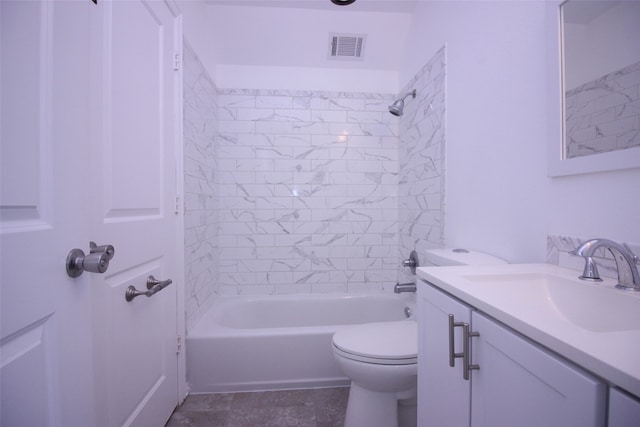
x: 303, y: 191
x: 200, y: 186
x: 308, y: 186
x: 604, y: 114
x: 422, y: 163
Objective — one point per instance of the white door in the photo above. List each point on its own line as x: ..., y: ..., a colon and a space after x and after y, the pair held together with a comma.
x: 45, y: 345
x: 87, y: 153
x: 134, y: 175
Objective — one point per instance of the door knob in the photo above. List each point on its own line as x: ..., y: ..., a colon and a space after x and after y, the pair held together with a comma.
x: 96, y: 262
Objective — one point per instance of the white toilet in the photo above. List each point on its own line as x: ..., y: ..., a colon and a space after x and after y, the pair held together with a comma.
x: 381, y: 359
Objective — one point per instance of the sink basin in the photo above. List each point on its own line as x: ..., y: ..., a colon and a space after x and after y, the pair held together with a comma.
x: 592, y: 306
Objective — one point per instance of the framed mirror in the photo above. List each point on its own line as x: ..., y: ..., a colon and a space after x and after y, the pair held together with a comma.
x: 599, y: 64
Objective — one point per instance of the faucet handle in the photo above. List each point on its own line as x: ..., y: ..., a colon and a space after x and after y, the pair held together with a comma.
x: 590, y: 270
x: 409, y: 263
x: 412, y: 262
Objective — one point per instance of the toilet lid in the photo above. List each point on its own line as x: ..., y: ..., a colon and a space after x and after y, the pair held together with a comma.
x: 382, y: 340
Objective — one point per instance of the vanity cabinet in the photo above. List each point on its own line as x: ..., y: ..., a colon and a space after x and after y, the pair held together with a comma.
x: 511, y: 380
x: 444, y: 398
x: 624, y: 409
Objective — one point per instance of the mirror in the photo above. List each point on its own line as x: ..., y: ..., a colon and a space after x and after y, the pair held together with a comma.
x: 600, y: 63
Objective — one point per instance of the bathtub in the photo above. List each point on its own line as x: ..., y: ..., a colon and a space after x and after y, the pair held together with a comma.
x: 247, y: 343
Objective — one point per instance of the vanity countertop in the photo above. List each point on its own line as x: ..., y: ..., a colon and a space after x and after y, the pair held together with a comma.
x: 594, y: 325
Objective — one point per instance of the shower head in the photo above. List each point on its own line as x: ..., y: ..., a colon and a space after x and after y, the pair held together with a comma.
x: 397, y: 108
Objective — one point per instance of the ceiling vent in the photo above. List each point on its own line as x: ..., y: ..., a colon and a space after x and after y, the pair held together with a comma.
x: 346, y: 46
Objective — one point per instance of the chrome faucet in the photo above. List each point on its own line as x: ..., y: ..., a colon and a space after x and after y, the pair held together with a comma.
x: 626, y: 260
x: 404, y: 287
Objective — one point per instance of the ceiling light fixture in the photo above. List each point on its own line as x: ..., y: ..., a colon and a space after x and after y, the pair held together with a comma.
x: 342, y: 2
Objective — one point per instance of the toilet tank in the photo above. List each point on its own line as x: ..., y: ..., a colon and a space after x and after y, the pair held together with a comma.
x: 450, y: 256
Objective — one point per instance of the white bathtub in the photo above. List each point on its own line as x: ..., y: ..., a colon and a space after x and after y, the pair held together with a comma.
x: 246, y: 343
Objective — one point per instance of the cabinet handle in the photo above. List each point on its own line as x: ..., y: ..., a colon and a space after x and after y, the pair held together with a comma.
x: 466, y: 338
x: 452, y: 351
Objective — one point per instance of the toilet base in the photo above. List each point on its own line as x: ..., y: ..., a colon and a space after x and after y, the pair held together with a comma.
x: 408, y: 412
x: 371, y: 408
x: 378, y: 409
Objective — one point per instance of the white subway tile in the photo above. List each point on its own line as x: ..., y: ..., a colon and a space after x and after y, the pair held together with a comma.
x: 236, y: 101
x: 274, y: 102
x: 237, y: 127
x: 274, y: 127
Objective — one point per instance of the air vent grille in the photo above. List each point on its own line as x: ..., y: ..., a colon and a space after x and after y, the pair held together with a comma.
x: 346, y: 46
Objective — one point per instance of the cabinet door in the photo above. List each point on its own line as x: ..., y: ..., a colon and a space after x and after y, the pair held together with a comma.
x: 624, y: 410
x: 443, y: 395
x: 521, y: 384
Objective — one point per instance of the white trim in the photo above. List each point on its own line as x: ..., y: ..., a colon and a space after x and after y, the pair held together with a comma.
x: 179, y: 171
x: 557, y: 165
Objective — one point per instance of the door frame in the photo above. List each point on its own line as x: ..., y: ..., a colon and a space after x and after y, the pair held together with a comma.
x: 179, y: 210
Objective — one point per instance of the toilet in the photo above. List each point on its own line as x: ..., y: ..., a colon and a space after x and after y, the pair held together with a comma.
x: 381, y: 358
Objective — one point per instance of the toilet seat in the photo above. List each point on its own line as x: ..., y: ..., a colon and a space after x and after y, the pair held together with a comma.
x: 383, y: 343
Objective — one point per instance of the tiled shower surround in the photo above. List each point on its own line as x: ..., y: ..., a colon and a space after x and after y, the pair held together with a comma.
x: 604, y: 114
x: 310, y: 192
x: 308, y: 186
x: 200, y: 185
x: 422, y: 163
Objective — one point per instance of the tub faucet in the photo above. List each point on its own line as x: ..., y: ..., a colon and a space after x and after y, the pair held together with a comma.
x: 404, y: 287
x: 628, y: 275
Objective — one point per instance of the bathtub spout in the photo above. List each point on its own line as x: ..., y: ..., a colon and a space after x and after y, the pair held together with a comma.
x: 404, y: 287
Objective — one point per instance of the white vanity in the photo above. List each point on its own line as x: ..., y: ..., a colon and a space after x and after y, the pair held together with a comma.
x: 531, y: 345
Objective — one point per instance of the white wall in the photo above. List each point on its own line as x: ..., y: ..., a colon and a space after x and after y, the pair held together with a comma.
x: 498, y: 196
x: 293, y: 37
x: 198, y: 31
x: 307, y: 79
x: 286, y: 48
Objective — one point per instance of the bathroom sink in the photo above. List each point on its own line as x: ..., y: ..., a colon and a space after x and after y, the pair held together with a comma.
x: 595, y: 307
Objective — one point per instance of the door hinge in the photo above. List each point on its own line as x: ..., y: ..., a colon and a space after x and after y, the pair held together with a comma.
x: 176, y: 61
x: 177, y: 207
x: 179, y: 345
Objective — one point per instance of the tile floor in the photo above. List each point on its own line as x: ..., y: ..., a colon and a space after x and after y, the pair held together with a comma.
x: 324, y: 407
